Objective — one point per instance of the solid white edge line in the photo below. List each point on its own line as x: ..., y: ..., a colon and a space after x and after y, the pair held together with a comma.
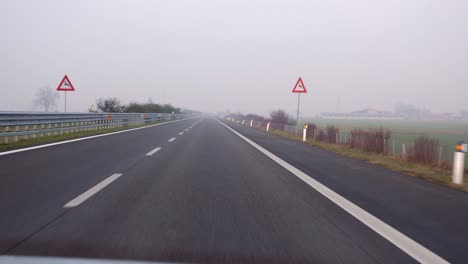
x: 85, y: 138
x: 411, y: 247
x: 172, y: 139
x: 151, y: 153
x: 180, y: 134
x: 86, y: 195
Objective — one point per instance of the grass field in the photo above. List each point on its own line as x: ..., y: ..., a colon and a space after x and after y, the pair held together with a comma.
x: 406, y: 131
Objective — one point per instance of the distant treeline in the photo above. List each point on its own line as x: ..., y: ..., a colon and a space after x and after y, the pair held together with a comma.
x: 279, y: 117
x: 115, y: 105
x: 150, y: 108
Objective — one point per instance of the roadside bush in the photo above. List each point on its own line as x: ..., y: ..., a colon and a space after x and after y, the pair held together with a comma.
x: 370, y: 140
x: 277, y: 126
x: 110, y: 105
x: 332, y: 134
x: 114, y: 105
x: 320, y: 135
x: 280, y: 117
x: 237, y: 116
x: 329, y: 134
x: 254, y: 117
x: 311, y: 130
x: 424, y: 150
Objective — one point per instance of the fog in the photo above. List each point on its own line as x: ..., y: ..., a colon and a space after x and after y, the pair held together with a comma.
x: 240, y: 55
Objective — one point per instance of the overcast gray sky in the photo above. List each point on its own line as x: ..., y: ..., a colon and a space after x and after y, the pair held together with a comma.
x: 241, y: 55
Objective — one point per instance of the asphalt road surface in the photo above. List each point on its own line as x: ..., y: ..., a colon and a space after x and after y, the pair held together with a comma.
x: 195, y: 191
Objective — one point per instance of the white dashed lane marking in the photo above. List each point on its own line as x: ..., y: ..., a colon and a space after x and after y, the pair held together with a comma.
x: 86, y: 195
x: 151, y: 153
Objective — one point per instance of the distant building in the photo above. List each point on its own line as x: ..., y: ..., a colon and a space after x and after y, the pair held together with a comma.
x: 368, y: 113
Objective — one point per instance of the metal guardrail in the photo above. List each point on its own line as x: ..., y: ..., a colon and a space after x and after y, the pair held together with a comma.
x: 24, y: 125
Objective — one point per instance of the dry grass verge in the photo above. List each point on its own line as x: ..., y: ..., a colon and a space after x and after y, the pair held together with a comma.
x: 427, y: 172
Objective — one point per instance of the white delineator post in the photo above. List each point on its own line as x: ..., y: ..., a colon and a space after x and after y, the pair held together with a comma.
x: 403, y: 151
x: 459, y: 163
x: 439, y: 162
x: 304, y: 134
x: 268, y: 127
x: 243, y: 121
x: 251, y: 123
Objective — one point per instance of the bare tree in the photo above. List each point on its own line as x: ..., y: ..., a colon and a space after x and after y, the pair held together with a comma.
x: 92, y: 109
x: 46, y: 98
x: 110, y: 105
x: 281, y: 117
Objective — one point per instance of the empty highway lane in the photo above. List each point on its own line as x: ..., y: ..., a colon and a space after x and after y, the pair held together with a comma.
x: 197, y: 190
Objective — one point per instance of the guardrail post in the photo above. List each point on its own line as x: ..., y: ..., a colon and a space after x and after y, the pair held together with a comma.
x: 7, y: 128
x: 26, y: 129
x: 16, y: 130
x: 34, y: 128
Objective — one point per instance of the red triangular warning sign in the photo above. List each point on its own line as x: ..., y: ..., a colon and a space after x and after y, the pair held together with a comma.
x: 65, y: 85
x: 299, y: 87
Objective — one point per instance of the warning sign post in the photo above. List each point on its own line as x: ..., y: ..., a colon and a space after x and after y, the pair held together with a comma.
x: 299, y: 88
x: 65, y: 86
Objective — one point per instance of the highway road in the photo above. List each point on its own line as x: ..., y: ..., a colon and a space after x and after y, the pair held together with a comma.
x: 198, y: 190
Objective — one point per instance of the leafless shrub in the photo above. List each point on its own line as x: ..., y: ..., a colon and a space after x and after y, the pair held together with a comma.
x: 424, y: 150
x: 332, y: 134
x: 320, y: 135
x: 277, y: 126
x: 311, y: 130
x: 281, y: 117
x: 110, y: 105
x: 370, y: 140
